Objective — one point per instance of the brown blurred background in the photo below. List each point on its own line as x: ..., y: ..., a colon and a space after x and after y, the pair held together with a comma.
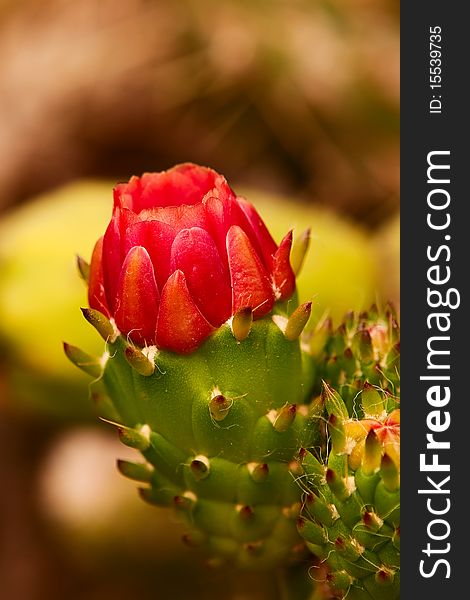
x: 296, y: 102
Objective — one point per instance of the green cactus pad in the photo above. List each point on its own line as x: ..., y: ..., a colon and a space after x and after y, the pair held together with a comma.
x: 220, y: 431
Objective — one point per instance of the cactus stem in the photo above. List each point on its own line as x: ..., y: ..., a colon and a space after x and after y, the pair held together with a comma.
x: 297, y: 321
x: 200, y: 467
x: 101, y: 323
x: 299, y: 251
x: 83, y: 268
x: 139, y: 361
x: 241, y: 323
x: 90, y: 364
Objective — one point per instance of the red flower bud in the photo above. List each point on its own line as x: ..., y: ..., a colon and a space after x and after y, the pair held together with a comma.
x: 181, y: 254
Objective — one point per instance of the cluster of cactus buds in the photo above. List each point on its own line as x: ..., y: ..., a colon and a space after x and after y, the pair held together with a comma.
x: 351, y: 509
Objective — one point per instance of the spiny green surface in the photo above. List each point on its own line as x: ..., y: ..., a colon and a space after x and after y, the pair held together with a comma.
x: 220, y: 430
x: 351, y: 510
x: 364, y: 347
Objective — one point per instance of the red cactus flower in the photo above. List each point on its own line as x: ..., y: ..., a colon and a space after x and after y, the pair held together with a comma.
x: 182, y: 254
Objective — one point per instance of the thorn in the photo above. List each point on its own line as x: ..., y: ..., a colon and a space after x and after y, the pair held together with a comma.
x: 372, y: 454
x: 390, y: 473
x: 135, y: 471
x: 285, y: 418
x: 83, y: 268
x: 337, y: 485
x: 295, y: 468
x: 193, y: 539
x: 82, y: 360
x: 350, y: 548
x: 333, y: 402
x: 185, y: 502
x: 147, y: 496
x: 200, y: 467
x: 372, y: 402
x: 373, y: 312
x: 241, y: 323
x: 292, y: 511
x: 254, y: 548
x: 299, y: 251
x: 297, y: 321
x: 349, y: 319
x: 101, y: 323
x: 219, y: 407
x: 365, y: 345
x: 384, y: 575
x: 259, y: 471
x: 135, y: 438
x: 245, y: 512
x: 337, y: 434
x: 372, y: 520
x: 139, y: 361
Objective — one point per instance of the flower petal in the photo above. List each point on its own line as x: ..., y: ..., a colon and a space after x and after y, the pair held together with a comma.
x: 157, y: 238
x: 250, y: 283
x: 126, y: 195
x: 113, y: 251
x: 283, y: 275
x: 137, y: 297
x: 181, y: 327
x: 222, y: 212
x: 195, y: 254
x: 96, y: 293
x: 264, y: 242
x: 185, y: 184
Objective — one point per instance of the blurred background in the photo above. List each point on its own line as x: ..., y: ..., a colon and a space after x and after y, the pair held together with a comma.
x: 296, y: 102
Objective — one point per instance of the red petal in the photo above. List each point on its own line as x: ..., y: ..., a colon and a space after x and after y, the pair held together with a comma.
x: 264, y: 241
x: 222, y: 212
x: 138, y: 298
x: 250, y: 283
x: 178, y: 217
x: 283, y: 275
x: 185, y: 184
x: 113, y: 251
x: 194, y: 252
x: 126, y: 195
x: 96, y: 294
x: 157, y: 238
x: 181, y: 327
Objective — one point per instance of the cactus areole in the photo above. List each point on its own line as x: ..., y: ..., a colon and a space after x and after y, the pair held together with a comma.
x: 203, y: 370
